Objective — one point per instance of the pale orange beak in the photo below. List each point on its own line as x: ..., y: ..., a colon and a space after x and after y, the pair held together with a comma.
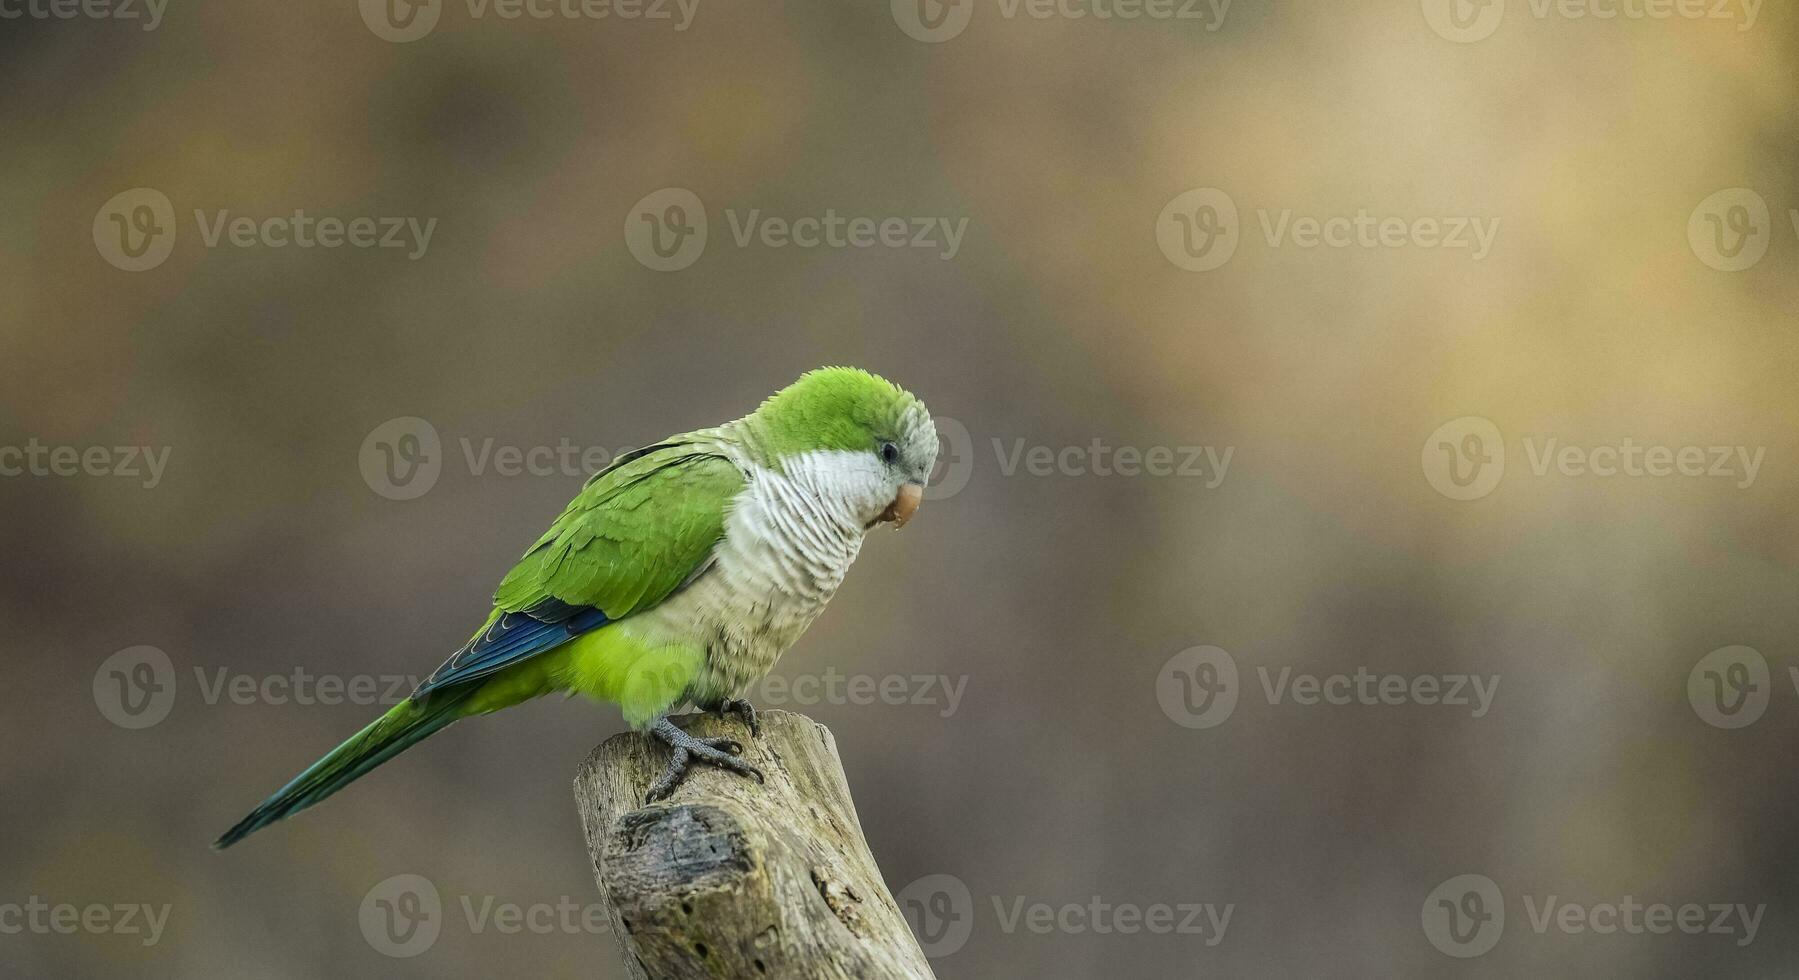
x: 904, y: 505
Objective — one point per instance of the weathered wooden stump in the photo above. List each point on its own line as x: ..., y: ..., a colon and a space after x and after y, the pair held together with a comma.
x: 734, y: 878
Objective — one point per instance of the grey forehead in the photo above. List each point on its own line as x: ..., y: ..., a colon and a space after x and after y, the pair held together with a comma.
x: 921, y: 432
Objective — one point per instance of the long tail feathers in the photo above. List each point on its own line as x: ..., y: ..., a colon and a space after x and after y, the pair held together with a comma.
x: 402, y: 727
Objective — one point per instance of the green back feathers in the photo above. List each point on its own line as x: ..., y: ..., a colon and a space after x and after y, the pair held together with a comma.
x: 633, y: 534
x: 834, y: 408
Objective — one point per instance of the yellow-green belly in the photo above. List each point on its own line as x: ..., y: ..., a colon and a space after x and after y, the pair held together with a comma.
x: 610, y: 664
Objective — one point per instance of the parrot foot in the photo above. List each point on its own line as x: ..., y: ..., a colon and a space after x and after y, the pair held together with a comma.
x: 688, y: 748
x: 742, y: 709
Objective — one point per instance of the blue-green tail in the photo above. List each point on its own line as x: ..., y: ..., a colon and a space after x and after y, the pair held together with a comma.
x: 403, y: 726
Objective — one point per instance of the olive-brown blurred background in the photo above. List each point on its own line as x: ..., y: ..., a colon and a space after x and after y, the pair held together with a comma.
x: 1056, y: 595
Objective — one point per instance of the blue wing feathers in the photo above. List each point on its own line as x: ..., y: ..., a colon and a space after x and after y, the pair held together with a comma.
x: 512, y: 638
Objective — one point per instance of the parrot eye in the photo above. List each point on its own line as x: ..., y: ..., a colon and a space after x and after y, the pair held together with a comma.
x: 889, y: 453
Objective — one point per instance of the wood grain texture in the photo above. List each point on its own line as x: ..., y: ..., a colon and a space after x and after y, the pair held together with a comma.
x: 734, y: 878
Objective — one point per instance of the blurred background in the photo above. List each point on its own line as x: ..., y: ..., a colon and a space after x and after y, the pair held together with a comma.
x: 1408, y: 434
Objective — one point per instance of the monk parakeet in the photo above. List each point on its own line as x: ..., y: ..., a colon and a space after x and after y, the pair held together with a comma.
x: 678, y: 574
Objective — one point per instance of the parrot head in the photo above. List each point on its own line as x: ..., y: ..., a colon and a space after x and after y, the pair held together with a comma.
x: 853, y: 436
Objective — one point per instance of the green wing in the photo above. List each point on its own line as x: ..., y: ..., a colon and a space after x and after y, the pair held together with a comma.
x: 637, y: 531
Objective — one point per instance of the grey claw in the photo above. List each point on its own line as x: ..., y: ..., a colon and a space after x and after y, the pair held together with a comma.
x: 717, y: 751
x: 742, y: 708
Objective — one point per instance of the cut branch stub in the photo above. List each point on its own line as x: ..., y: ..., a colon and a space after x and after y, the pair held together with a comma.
x: 734, y: 878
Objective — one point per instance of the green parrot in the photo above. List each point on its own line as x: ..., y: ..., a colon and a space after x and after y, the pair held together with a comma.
x: 678, y: 574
